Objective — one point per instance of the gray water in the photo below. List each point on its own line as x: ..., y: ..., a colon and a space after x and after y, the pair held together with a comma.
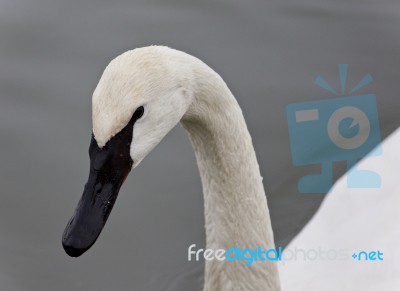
x: 269, y: 52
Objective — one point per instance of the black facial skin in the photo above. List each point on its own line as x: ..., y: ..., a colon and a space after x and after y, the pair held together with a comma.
x: 109, y: 166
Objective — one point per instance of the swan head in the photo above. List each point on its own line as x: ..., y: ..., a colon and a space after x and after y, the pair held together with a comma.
x: 137, y: 101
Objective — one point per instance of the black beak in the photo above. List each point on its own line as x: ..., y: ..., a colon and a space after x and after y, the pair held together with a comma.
x: 109, y: 166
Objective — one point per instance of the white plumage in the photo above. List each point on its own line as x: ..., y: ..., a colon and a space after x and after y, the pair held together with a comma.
x: 174, y: 86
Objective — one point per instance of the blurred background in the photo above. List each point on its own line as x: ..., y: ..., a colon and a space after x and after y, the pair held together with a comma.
x: 52, y: 54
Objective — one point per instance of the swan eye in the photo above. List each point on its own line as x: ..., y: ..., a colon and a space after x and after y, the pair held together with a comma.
x: 139, y: 112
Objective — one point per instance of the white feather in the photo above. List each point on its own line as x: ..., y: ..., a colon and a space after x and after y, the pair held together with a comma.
x: 174, y: 86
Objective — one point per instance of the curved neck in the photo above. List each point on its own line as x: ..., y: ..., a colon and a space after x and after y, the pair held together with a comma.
x: 235, y: 205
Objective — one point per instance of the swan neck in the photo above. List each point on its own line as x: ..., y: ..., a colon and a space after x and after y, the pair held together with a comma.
x: 235, y: 205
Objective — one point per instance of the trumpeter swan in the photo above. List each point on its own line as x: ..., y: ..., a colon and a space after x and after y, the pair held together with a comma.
x: 140, y: 97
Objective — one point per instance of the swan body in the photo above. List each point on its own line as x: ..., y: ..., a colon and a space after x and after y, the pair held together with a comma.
x: 172, y: 87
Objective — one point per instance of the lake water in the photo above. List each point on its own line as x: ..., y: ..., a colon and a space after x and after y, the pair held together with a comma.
x: 52, y: 54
